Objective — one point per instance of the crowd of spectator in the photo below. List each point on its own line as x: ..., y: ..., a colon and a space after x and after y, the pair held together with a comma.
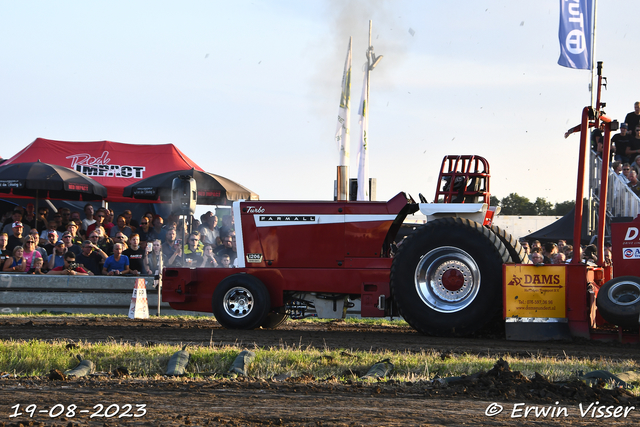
x: 64, y: 242
x: 563, y: 253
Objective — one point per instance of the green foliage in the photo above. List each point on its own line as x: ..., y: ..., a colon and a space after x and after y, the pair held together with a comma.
x: 515, y: 204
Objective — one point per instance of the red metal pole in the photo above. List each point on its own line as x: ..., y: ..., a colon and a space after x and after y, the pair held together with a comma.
x: 604, y: 184
x: 577, y: 221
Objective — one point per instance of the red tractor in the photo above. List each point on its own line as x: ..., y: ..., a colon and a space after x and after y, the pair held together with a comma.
x: 449, y: 276
x: 445, y: 278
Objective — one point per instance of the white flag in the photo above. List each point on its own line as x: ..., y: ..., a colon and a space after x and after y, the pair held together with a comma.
x: 342, y: 130
x: 363, y: 149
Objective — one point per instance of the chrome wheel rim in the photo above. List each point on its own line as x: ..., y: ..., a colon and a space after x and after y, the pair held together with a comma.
x: 238, y: 302
x: 447, y: 279
x: 625, y: 293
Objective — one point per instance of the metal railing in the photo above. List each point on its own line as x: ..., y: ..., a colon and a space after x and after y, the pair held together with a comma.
x: 621, y: 200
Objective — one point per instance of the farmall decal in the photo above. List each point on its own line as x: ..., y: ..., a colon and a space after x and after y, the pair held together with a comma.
x: 631, y: 250
x: 533, y: 291
x: 99, y: 166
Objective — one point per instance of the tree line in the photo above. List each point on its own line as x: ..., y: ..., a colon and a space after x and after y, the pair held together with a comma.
x: 515, y: 204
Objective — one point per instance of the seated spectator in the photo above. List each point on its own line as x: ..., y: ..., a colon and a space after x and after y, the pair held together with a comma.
x: 193, y: 250
x: 121, y: 227
x: 72, y: 228
x: 4, y: 252
x: 616, y: 167
x: 117, y: 264
x: 51, y: 242
x: 56, y: 259
x: 99, y: 238
x: 52, y: 228
x: 225, y: 261
x: 30, y: 252
x: 91, y: 258
x: 228, y: 248
x: 16, y: 263
x: 121, y: 238
x: 15, y: 238
x: 70, y: 267
x: 37, y: 267
x: 626, y: 168
x: 208, y: 258
x: 636, y: 165
x: 156, y: 260
x: 68, y: 242
x: 135, y: 254
x: 633, y: 182
x: 536, y: 258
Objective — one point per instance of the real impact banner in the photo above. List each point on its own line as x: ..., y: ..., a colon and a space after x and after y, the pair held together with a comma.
x: 575, y: 33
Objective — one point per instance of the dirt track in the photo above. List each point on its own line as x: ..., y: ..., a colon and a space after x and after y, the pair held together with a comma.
x: 305, y: 401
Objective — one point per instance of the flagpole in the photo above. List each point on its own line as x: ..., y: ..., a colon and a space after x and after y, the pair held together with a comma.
x: 342, y: 131
x: 594, y: 89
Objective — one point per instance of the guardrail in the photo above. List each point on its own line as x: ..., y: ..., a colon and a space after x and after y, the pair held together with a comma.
x: 24, y: 293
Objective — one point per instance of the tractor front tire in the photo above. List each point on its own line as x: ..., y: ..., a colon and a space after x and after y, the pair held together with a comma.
x: 241, y: 301
x: 446, y: 278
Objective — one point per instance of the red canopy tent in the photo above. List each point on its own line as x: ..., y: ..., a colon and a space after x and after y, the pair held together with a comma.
x: 113, y: 164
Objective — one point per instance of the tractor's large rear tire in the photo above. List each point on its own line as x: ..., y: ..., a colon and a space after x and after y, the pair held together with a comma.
x: 619, y: 301
x: 516, y: 251
x: 241, y: 301
x: 446, y: 278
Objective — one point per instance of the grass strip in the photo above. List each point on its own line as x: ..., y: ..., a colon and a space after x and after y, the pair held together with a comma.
x: 37, y: 358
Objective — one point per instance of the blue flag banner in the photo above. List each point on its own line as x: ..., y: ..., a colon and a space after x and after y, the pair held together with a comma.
x: 575, y: 33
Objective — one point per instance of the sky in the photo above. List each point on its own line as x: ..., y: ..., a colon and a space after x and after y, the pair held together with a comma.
x: 250, y: 89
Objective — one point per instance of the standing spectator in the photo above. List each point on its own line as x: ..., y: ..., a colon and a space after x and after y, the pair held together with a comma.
x: 121, y: 227
x: 15, y: 217
x: 135, y: 254
x: 117, y: 264
x: 621, y: 140
x: 70, y: 267
x: 633, y: 118
x: 121, y: 238
x: 549, y: 249
x: 633, y: 182
x: 227, y: 247
x: 88, y: 217
x: 56, y: 259
x: 228, y: 225
x: 561, y: 245
x: 16, y: 263
x: 52, y: 227
x: 91, y: 257
x: 225, y: 261
x: 536, y: 258
x: 143, y: 231
x: 99, y: 238
x: 633, y: 149
x: 172, y: 246
x: 30, y: 252
x: 29, y: 216
x: 99, y: 217
x: 131, y: 223
x: 209, y: 230
x: 636, y: 164
x: 43, y: 220
x: 65, y: 216
x: 525, y: 246
x: 558, y: 258
x: 15, y: 239
x: 152, y: 262
x: 4, y: 252
x: 108, y: 221
x: 158, y: 232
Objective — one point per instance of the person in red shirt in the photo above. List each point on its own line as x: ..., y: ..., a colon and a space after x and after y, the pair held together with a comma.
x: 70, y: 268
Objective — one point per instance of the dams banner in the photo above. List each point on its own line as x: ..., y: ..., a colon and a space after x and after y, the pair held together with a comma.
x: 576, y: 21
x: 113, y: 164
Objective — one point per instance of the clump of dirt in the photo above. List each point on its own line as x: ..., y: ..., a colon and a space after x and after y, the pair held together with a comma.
x: 501, y: 383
